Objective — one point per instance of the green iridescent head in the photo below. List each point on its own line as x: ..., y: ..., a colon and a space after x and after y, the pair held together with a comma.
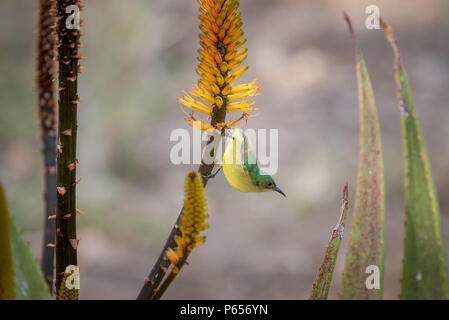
x: 266, y: 182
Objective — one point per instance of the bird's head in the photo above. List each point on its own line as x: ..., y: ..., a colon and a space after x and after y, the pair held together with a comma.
x: 268, y: 184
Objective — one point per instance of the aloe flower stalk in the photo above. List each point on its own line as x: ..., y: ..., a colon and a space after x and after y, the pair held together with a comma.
x: 220, y: 66
x: 193, y: 222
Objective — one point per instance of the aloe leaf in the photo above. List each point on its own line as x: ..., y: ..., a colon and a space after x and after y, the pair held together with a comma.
x: 320, y: 288
x: 366, y: 243
x: 29, y: 280
x: 6, y: 261
x: 20, y: 275
x: 424, y: 264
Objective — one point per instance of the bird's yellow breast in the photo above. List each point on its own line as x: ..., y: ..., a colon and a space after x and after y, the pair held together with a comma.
x: 233, y: 168
x: 239, y: 179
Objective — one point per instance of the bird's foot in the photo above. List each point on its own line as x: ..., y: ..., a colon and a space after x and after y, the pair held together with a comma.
x: 212, y: 175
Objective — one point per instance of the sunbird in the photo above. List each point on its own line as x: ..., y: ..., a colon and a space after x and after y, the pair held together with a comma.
x: 241, y: 169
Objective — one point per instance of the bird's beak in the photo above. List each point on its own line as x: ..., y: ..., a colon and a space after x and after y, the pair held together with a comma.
x: 280, y: 191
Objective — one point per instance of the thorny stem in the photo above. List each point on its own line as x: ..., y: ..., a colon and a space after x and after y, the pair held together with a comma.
x: 45, y: 77
x: 66, y: 241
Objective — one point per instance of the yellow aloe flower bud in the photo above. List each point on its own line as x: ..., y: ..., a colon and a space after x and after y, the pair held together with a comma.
x: 204, y: 85
x: 224, y: 67
x: 220, y: 79
x: 240, y: 71
x: 235, y: 63
x: 215, y: 88
x: 230, y: 55
x: 222, y: 32
x: 236, y: 44
x: 226, y: 90
x: 218, y: 57
x: 172, y: 256
x: 199, y: 241
x: 219, y: 101
x: 241, y: 52
x: 179, y: 241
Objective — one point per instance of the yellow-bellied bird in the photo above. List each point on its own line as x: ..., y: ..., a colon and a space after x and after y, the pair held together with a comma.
x: 241, y: 169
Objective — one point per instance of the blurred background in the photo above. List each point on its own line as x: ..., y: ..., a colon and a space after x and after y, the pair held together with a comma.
x: 140, y: 55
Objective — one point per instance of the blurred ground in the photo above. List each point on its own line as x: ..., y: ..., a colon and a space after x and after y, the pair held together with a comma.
x: 141, y: 54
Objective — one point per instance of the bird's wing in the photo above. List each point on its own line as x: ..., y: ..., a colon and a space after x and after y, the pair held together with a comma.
x: 249, y: 153
x: 234, y: 167
x: 240, y: 150
x: 233, y: 151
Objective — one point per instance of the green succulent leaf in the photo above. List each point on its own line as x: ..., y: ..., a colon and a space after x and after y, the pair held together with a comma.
x: 29, y: 280
x: 6, y: 261
x: 20, y: 275
x: 365, y: 254
x: 424, y: 264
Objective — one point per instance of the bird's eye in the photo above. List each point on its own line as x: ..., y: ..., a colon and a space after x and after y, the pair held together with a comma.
x: 269, y: 184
